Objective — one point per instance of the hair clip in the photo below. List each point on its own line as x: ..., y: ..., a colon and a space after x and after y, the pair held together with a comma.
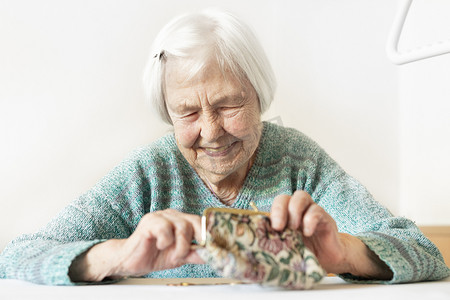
x: 159, y: 55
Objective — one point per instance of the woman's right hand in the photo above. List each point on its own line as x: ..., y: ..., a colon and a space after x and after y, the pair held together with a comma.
x: 162, y: 240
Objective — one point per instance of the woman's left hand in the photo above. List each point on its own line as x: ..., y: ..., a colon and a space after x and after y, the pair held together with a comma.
x: 337, y: 252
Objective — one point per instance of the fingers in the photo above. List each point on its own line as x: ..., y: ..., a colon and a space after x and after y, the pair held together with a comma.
x: 313, y: 216
x: 279, y: 212
x: 195, y: 222
x: 172, y: 231
x: 300, y: 202
x: 182, y: 235
x: 160, y: 229
x: 298, y: 211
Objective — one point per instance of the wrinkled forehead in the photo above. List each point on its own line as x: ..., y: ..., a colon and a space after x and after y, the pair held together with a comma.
x: 188, y: 71
x: 218, y: 87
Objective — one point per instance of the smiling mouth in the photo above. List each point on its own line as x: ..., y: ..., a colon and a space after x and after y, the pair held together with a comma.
x: 220, y: 151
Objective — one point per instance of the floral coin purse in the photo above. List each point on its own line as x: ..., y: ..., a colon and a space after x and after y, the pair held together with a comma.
x: 241, y: 244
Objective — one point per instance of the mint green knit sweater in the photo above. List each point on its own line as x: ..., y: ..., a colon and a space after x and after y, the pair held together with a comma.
x: 157, y: 177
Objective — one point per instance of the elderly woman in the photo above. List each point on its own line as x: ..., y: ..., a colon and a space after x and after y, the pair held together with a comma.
x: 210, y: 79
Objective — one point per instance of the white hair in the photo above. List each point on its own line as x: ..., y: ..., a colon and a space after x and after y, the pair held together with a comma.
x: 199, y: 37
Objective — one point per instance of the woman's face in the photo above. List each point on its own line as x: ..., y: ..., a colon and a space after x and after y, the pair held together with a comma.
x: 216, y: 120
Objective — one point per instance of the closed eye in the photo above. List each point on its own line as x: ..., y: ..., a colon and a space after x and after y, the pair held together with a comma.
x: 190, y: 116
x: 230, y: 111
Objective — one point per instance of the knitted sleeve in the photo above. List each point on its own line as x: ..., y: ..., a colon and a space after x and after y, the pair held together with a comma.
x: 109, y: 210
x: 397, y: 241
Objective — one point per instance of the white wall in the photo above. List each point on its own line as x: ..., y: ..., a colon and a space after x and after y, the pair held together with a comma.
x: 424, y: 101
x: 72, y: 105
x: 425, y: 140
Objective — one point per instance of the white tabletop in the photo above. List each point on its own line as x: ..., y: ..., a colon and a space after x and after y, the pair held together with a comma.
x: 330, y: 288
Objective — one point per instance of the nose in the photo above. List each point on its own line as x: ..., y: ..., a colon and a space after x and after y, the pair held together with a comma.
x: 211, y: 127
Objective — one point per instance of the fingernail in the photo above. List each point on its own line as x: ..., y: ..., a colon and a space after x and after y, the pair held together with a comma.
x: 277, y: 226
x: 307, y: 231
